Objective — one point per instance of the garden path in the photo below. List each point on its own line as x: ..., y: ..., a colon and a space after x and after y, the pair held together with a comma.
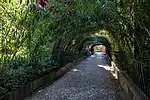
x: 90, y: 80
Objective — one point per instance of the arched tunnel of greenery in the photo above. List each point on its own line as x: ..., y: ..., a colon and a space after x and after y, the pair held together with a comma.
x: 34, y: 41
x: 91, y: 41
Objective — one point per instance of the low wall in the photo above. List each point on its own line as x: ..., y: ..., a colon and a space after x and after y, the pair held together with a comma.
x: 19, y: 94
x: 131, y: 91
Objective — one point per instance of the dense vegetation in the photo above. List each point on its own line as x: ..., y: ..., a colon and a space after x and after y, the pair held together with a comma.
x: 33, y: 41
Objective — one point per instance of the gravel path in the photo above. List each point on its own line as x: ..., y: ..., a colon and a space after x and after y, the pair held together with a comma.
x: 87, y: 81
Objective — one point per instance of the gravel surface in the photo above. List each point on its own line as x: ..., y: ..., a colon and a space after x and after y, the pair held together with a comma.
x: 87, y: 81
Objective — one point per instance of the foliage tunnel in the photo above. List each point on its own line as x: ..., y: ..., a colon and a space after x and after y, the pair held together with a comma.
x: 34, y: 40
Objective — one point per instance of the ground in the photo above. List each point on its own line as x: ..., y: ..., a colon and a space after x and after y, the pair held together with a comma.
x: 90, y: 80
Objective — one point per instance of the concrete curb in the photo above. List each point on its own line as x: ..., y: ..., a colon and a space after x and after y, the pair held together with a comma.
x: 131, y: 90
x: 20, y: 93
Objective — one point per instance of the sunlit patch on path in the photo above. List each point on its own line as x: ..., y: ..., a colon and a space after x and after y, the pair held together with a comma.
x: 105, y: 67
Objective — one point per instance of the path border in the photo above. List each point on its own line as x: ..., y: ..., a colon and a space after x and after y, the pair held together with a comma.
x: 21, y: 93
x: 131, y: 90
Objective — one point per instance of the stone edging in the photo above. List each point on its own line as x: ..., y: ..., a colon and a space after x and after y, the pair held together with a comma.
x: 132, y: 92
x: 20, y: 93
